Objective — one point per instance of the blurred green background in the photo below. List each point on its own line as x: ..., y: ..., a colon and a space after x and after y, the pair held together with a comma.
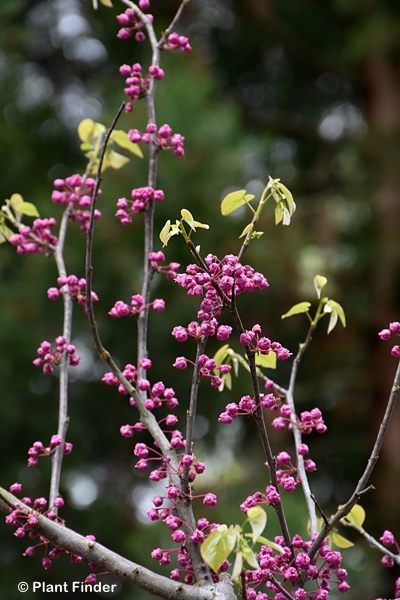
x: 304, y: 90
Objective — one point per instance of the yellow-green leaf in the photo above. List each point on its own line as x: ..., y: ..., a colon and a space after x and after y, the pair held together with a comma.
x: 279, y: 212
x: 188, y: 218
x: 218, y: 546
x: 338, y: 308
x: 340, y: 541
x: 301, y: 307
x: 237, y: 565
x: 250, y: 558
x: 107, y: 3
x: 319, y: 283
x: 258, y: 520
x: 115, y: 160
x: 288, y: 196
x: 234, y: 200
x: 5, y: 233
x: 86, y: 129
x: 267, y: 361
x: 263, y: 540
x: 356, y: 516
x: 164, y: 237
x: 121, y: 138
x: 16, y: 200
x: 248, y: 228
x: 220, y: 354
x: 201, y: 225
x: 28, y: 209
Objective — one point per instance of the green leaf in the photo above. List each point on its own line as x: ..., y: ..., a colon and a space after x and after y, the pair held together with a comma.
x: 338, y: 308
x: 267, y: 361
x: 234, y: 200
x: 121, y: 138
x: 250, y: 557
x: 332, y: 321
x: 340, y: 541
x: 86, y: 129
x: 188, y: 218
x: 248, y: 228
x: 266, y: 542
x: 218, y: 546
x: 356, y: 516
x: 164, y: 233
x: 288, y: 197
x: 115, y: 160
x: 279, y: 211
x: 28, y: 209
x: 16, y: 200
x: 238, y: 565
x: 5, y: 233
x: 221, y: 354
x: 319, y: 283
x: 258, y: 520
x: 301, y: 307
x: 107, y: 3
x: 226, y: 382
x: 201, y: 225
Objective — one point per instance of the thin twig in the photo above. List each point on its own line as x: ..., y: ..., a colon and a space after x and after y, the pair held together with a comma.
x: 297, y: 433
x: 373, y: 542
x: 280, y: 587
x: 362, y: 483
x: 191, y: 413
x: 63, y: 419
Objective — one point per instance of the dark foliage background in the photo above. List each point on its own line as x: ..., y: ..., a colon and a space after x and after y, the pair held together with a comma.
x: 304, y: 90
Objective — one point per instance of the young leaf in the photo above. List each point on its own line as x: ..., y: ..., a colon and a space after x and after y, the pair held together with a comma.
x: 288, y: 197
x: 218, y: 546
x: 267, y: 361
x: 86, y: 129
x: 356, y: 516
x: 221, y: 354
x: 188, y: 218
x: 16, y: 200
x: 301, y: 307
x: 250, y: 557
x: 115, y: 160
x: 258, y: 520
x: 107, y: 3
x: 164, y: 237
x: 263, y: 540
x: 319, y: 283
x: 340, y: 541
x: 5, y: 233
x: 339, y: 310
x: 28, y: 209
x: 121, y: 138
x: 201, y: 225
x: 237, y: 565
x: 248, y: 228
x: 234, y: 200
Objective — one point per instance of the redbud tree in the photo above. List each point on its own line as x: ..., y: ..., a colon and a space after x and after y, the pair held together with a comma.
x: 204, y: 559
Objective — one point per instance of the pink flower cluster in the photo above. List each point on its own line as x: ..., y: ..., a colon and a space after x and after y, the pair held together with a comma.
x: 162, y: 137
x: 141, y: 197
x: 77, y: 190
x: 35, y: 239
x: 73, y: 286
x: 247, y: 406
x: 206, y: 328
x: 137, y: 85
x: 38, y: 450
x: 177, y: 42
x: 288, y: 567
x: 156, y: 258
x: 228, y: 274
x: 263, y: 345
x: 385, y: 334
x: 50, y: 357
x: 206, y: 366
x: 130, y: 373
x: 120, y: 309
x: 131, y: 22
x: 388, y: 539
x: 308, y: 420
